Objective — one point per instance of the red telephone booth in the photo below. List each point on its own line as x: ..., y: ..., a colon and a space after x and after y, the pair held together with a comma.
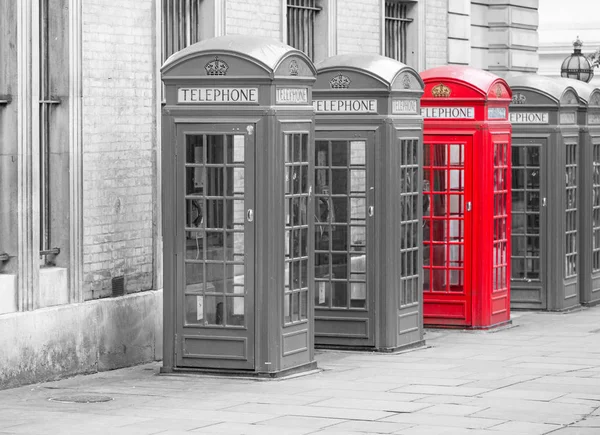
x: 466, y: 188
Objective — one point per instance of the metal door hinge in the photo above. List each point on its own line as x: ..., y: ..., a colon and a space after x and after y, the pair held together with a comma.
x: 469, y: 206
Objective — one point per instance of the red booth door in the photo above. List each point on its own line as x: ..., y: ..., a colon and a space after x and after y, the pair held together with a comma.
x: 447, y: 230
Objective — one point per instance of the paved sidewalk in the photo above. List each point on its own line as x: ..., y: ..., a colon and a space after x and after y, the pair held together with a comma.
x: 540, y: 376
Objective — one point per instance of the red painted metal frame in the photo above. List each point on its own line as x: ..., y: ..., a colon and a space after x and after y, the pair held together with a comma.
x: 485, y: 293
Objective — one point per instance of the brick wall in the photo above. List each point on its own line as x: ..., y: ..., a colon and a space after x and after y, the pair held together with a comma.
x: 436, y: 32
x: 118, y: 144
x: 359, y: 26
x: 254, y: 17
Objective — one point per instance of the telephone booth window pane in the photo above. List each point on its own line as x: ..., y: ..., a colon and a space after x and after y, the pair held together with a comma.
x: 500, y: 260
x: 596, y: 208
x: 571, y: 210
x: 409, y: 223
x: 340, y: 224
x: 296, y: 187
x: 526, y: 179
x: 443, y: 222
x: 214, y: 230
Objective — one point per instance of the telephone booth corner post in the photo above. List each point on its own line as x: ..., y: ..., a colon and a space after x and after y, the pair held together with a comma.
x: 368, y: 204
x: 237, y: 141
x: 545, y: 207
x: 466, y: 233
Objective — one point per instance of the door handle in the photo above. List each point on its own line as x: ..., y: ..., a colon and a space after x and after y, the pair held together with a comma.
x: 371, y: 210
x: 543, y: 202
x: 250, y: 215
x: 468, y: 205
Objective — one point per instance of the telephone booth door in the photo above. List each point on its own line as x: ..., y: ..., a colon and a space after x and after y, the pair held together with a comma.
x: 529, y: 214
x: 344, y: 207
x: 447, y: 229
x: 214, y: 242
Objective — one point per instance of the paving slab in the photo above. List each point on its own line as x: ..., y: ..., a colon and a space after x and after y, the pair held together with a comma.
x: 535, y: 378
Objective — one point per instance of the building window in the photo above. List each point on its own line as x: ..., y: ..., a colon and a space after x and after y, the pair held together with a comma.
x: 397, y: 21
x: 301, y: 17
x: 180, y: 25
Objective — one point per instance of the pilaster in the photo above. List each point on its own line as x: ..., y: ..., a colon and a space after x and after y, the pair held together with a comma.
x: 75, y: 154
x: 27, y: 210
x: 513, y: 38
x: 459, y: 32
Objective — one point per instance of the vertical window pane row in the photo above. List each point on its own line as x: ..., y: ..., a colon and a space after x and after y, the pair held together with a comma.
x: 570, y: 210
x: 396, y: 26
x: 526, y: 179
x: 596, y: 208
x: 214, y: 230
x: 180, y: 25
x: 296, y: 187
x: 443, y: 221
x: 500, y: 217
x: 301, y: 16
x: 409, y: 222
x: 340, y: 224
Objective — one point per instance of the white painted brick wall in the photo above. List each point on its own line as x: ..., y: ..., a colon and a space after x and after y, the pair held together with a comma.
x: 436, y: 32
x: 254, y: 17
x: 359, y: 26
x: 118, y: 141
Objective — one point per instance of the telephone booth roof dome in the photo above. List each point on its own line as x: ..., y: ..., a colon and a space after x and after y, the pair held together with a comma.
x: 267, y: 52
x: 584, y: 90
x: 554, y: 89
x: 383, y: 68
x: 481, y: 80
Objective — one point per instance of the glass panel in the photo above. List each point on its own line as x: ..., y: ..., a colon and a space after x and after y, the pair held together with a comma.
x: 358, y: 295
x: 195, y: 149
x: 443, y: 205
x: 526, y: 184
x: 358, y: 180
x: 194, y: 180
x: 296, y: 225
x: 358, y: 152
x: 340, y: 294
x: 235, y: 311
x: 214, y: 258
x: 236, y: 149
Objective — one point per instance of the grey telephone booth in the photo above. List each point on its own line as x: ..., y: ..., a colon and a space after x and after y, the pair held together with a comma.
x: 237, y: 167
x: 545, y: 196
x: 368, y: 209
x: 589, y: 189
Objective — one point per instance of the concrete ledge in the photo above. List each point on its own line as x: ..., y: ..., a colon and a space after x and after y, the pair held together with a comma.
x: 56, y: 342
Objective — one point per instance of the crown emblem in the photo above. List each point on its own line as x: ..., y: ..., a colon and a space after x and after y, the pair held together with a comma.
x: 519, y: 99
x: 406, y: 81
x: 294, y: 68
x: 441, y: 91
x: 340, y: 82
x: 499, y: 91
x: 216, y: 67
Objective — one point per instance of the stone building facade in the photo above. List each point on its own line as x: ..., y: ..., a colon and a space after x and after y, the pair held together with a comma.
x: 80, y: 102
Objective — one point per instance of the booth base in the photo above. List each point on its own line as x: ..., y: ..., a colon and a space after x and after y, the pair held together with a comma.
x: 303, y: 369
x: 416, y: 345
x: 494, y: 327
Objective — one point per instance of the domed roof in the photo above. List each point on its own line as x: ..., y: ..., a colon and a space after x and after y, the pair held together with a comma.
x: 381, y: 67
x: 482, y: 80
x: 267, y: 51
